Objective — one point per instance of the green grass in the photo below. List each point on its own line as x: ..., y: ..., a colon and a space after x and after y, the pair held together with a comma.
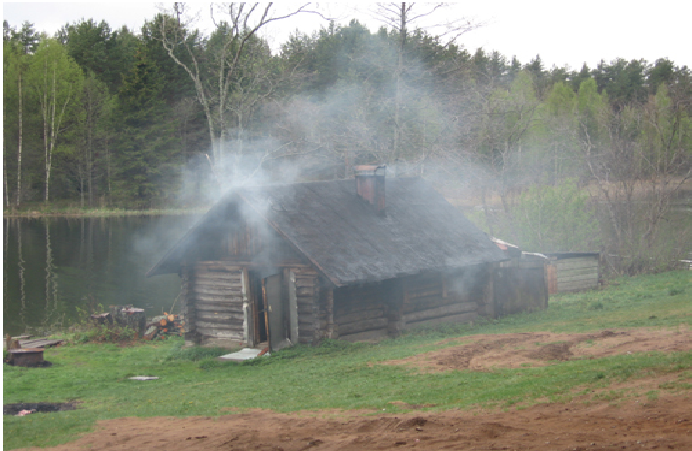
x: 339, y: 375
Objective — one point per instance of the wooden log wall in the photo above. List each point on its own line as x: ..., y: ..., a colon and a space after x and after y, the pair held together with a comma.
x: 519, y: 286
x: 431, y: 299
x: 577, y: 273
x: 360, y: 312
x: 217, y: 294
x: 187, y: 307
x: 305, y: 288
x: 326, y: 312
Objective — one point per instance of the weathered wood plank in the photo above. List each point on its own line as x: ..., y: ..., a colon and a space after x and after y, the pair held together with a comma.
x: 578, y: 277
x: 591, y: 268
x: 219, y: 325
x: 222, y: 334
x: 228, y: 266
x: 219, y: 286
x: 219, y: 276
x: 305, y: 291
x: 579, y: 273
x: 362, y: 326
x: 362, y: 315
x: 226, y: 307
x: 303, y: 270
x: 576, y: 263
x: 217, y: 292
x: 219, y: 298
x: 436, y: 292
x: 426, y: 304
x: 204, y: 315
x: 362, y: 336
x: 305, y: 281
x: 306, y: 329
x: 461, y: 318
x: 355, y: 308
x: 38, y: 342
x: 204, y: 275
x: 453, y: 309
x: 304, y: 309
x: 456, y: 297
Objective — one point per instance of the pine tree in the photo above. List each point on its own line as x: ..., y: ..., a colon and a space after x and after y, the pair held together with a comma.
x: 146, y: 145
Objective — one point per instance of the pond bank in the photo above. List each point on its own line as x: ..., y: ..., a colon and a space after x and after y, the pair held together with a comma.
x: 100, y: 213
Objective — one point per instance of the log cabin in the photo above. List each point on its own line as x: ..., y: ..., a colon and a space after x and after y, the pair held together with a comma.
x: 298, y: 263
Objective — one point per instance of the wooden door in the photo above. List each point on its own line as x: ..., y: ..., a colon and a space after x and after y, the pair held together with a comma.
x: 275, y: 314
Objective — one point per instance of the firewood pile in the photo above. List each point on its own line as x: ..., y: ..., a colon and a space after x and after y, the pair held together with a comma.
x: 165, y: 325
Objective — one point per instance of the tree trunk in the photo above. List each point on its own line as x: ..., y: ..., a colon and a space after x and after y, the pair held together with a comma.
x: 240, y: 133
x: 89, y: 158
x: 484, y: 202
x: 19, y: 149
x: 81, y: 190
x: 108, y: 167
x: 49, y: 160
x: 44, y: 110
x: 4, y: 177
x: 399, y: 71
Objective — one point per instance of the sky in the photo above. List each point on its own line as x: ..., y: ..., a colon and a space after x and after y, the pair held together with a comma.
x: 563, y: 34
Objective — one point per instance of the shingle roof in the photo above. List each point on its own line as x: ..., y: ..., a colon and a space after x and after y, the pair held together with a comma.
x: 344, y: 237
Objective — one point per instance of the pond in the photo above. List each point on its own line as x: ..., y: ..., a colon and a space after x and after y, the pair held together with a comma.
x: 57, y: 271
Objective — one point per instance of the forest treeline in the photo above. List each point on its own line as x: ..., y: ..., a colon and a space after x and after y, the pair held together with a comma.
x: 166, y: 116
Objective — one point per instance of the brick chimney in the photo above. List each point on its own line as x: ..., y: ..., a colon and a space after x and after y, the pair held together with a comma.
x: 370, y: 185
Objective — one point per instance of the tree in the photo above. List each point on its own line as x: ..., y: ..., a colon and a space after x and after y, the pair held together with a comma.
x: 17, y: 50
x: 666, y: 161
x: 559, y: 131
x: 403, y: 18
x: 507, y: 117
x: 624, y: 81
x: 96, y: 48
x: 212, y: 68
x: 95, y: 108
x: 57, y: 80
x: 553, y: 219
x: 638, y: 157
x: 145, y: 146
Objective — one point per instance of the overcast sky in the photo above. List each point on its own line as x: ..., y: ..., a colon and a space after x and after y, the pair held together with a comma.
x: 567, y: 33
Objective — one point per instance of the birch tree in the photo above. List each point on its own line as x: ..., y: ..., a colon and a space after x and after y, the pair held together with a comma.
x: 57, y: 81
x: 213, y: 68
x: 404, y: 18
x: 18, y: 47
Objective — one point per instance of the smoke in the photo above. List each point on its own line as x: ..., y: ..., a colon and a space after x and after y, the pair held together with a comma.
x: 466, y: 280
x: 369, y: 110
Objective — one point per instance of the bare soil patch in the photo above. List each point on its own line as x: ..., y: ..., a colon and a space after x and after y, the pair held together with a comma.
x: 484, y: 352
x: 634, y: 423
x: 665, y: 424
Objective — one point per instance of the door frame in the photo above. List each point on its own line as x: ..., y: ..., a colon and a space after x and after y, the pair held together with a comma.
x: 259, y: 307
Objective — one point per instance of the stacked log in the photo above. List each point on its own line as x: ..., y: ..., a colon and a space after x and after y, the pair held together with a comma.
x: 128, y: 316
x: 166, y: 325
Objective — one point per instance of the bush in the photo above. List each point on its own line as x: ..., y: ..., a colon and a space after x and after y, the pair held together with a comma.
x: 551, y: 219
x: 105, y: 334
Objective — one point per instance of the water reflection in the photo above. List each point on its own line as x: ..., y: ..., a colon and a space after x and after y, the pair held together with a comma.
x: 57, y: 270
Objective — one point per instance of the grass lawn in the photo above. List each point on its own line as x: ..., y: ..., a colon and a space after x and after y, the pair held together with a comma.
x: 339, y: 375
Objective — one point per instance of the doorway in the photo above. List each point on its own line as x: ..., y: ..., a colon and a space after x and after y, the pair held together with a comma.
x: 261, y: 332
x: 270, y: 318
